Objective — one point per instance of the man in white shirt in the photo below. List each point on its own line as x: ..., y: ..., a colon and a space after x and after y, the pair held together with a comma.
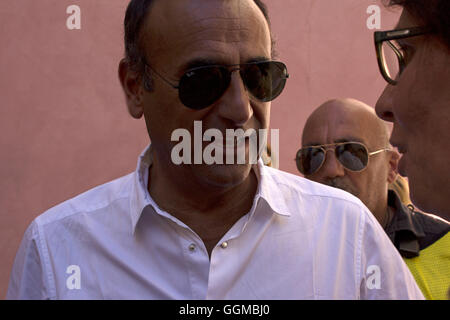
x: 206, y: 231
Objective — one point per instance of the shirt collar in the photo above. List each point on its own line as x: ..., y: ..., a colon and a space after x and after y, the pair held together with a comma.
x: 270, y: 190
x: 140, y: 198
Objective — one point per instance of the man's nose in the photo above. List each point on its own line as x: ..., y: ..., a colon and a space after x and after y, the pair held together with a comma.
x: 384, y: 106
x: 331, y: 168
x: 235, y: 105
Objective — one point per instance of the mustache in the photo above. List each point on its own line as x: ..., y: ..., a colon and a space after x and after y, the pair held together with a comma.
x: 341, y: 184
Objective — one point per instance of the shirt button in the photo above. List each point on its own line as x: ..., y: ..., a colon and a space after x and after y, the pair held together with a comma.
x: 224, y: 245
x: 192, y: 247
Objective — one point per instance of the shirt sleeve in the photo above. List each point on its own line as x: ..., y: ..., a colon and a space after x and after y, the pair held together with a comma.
x: 384, y: 274
x: 27, y: 280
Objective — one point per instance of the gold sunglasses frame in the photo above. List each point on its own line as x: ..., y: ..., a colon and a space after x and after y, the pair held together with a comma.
x: 332, y: 146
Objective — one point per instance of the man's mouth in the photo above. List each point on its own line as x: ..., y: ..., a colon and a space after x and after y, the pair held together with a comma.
x: 228, y: 142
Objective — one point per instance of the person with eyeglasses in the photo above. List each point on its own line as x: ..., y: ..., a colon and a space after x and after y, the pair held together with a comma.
x: 197, y: 230
x: 414, y: 59
x: 345, y: 145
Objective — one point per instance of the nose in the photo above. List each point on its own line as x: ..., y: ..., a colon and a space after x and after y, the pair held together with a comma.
x: 331, y: 168
x: 384, y: 105
x: 235, y: 105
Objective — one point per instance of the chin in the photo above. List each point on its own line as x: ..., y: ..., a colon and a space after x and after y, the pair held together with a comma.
x: 221, y: 175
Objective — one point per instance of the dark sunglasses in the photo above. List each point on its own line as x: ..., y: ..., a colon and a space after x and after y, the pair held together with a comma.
x: 354, y: 156
x: 200, y: 87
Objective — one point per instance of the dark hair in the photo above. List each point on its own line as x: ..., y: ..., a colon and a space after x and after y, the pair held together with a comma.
x: 135, y: 15
x: 433, y: 13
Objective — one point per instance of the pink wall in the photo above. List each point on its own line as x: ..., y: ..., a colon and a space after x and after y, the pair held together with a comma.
x: 64, y: 123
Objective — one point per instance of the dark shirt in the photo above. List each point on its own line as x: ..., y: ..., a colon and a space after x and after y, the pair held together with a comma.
x: 413, y: 231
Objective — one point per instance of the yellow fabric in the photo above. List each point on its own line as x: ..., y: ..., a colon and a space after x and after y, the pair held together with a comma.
x: 431, y: 269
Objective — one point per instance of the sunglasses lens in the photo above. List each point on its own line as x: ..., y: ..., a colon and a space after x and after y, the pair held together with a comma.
x: 264, y: 80
x: 309, y: 160
x: 353, y: 156
x: 200, y: 88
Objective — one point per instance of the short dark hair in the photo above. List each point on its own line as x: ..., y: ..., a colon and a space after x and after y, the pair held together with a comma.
x: 433, y: 13
x: 135, y: 15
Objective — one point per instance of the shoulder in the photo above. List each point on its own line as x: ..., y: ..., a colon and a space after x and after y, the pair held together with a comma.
x: 308, y: 190
x: 430, y: 222
x: 313, y: 202
x: 93, y: 200
x: 432, y: 226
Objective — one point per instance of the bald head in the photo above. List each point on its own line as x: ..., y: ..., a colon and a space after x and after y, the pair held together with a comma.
x: 359, y: 119
x: 349, y: 120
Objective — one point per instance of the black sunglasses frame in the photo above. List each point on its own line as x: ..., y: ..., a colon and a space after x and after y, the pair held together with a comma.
x: 229, y: 69
x: 381, y: 36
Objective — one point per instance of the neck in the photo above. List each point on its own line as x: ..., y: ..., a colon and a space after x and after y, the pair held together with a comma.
x: 208, y: 211
x: 384, y: 216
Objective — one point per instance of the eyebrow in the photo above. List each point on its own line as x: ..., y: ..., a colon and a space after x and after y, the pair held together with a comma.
x: 258, y: 59
x: 311, y: 144
x: 348, y: 139
x: 201, y: 62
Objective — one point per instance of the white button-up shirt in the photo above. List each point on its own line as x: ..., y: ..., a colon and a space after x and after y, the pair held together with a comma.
x: 300, y: 240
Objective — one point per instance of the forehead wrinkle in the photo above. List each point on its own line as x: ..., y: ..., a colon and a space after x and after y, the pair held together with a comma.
x: 207, y: 24
x: 226, y: 36
x: 314, y: 131
x: 205, y: 37
x: 367, y: 127
x: 341, y: 119
x: 232, y: 30
x: 221, y: 35
x: 246, y: 26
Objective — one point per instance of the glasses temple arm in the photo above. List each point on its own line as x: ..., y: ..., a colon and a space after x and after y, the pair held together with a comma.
x: 378, y: 151
x: 162, y: 78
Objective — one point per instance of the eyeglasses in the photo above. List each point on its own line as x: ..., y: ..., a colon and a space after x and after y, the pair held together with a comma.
x: 200, y: 87
x: 354, y: 156
x: 390, y: 54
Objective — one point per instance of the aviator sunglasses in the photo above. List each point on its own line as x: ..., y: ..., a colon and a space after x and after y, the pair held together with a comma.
x: 354, y: 156
x: 200, y: 87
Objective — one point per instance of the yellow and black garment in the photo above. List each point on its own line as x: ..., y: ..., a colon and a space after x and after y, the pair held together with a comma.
x: 423, y: 240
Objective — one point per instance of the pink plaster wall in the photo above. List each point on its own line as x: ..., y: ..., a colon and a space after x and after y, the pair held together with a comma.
x: 63, y: 121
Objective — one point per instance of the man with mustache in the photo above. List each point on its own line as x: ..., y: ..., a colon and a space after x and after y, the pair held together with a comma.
x: 206, y: 231
x: 345, y: 145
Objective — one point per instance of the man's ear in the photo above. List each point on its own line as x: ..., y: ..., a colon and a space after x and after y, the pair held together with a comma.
x: 393, y: 158
x: 131, y: 84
